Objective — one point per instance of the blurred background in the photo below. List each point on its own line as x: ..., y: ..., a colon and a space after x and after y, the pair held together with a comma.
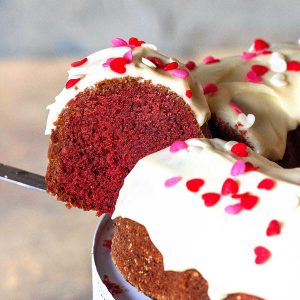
x: 46, y: 248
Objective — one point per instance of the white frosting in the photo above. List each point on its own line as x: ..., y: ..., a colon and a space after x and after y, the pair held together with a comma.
x: 274, y: 101
x: 219, y: 245
x: 93, y: 71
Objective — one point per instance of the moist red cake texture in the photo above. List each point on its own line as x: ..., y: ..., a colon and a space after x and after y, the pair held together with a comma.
x: 104, y: 131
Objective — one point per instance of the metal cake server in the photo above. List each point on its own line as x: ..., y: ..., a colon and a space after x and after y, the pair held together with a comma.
x: 23, y: 178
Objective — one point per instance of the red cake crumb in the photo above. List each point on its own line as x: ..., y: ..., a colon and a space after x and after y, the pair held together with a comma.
x: 107, y: 244
x: 113, y: 288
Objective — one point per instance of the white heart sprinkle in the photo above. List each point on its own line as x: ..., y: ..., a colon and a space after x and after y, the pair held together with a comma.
x: 148, y: 63
x: 277, y: 62
x: 278, y: 80
x: 246, y: 121
x: 150, y: 46
x: 229, y: 145
x: 251, y: 49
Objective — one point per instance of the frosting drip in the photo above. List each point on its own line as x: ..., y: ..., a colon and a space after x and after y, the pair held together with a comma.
x: 97, y: 67
x: 263, y: 83
x: 176, y: 194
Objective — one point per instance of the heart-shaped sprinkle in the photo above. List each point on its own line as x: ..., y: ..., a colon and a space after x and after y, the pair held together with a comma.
x: 148, y: 63
x: 250, y: 167
x: 274, y: 228
x: 235, y: 107
x: 78, y: 63
x: 245, y: 121
x: 210, y: 199
x: 249, y: 201
x: 128, y: 57
x: 239, y: 149
x: 210, y: 60
x: 262, y: 254
x: 278, y: 80
x: 180, y: 73
x: 238, y: 168
x: 233, y: 209
x: 177, y: 146
x: 157, y: 61
x: 118, y: 42
x: 260, y: 70
x: 260, y: 44
x: 266, y: 184
x: 190, y: 65
x: 239, y: 196
x: 194, y: 185
x: 71, y: 82
x: 189, y: 93
x: 293, y: 65
x: 118, y: 65
x: 108, y: 61
x: 210, y: 88
x: 228, y: 145
x: 172, y: 181
x: 248, y: 55
x: 171, y: 66
x: 277, y: 62
x: 251, y: 76
x: 134, y: 42
x: 230, y: 186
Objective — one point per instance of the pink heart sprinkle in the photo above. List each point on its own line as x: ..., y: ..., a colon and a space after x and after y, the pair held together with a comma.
x: 248, y: 55
x: 180, y: 73
x: 235, y: 107
x: 118, y: 42
x: 251, y: 76
x: 210, y: 60
x: 128, y: 56
x: 172, y: 181
x: 107, y: 63
x: 239, y: 167
x: 210, y: 88
x: 234, y: 209
x: 178, y: 145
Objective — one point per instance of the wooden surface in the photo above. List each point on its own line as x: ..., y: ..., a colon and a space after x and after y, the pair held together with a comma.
x: 45, y: 248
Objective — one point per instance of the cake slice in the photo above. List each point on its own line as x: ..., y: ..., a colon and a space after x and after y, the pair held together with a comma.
x: 118, y: 105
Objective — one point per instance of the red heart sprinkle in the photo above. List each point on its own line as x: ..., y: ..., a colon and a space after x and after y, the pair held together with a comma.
x: 118, y: 65
x: 265, y: 52
x: 260, y: 44
x: 239, y: 196
x: 194, y: 185
x: 71, y: 82
x: 210, y: 60
x: 248, y: 201
x: 240, y: 149
x: 266, y: 184
x: 259, y: 69
x: 262, y: 254
x: 158, y: 62
x: 293, y: 65
x: 190, y: 65
x: 210, y: 88
x: 133, y: 41
x: 79, y: 62
x: 251, y: 76
x: 274, y: 228
x: 210, y: 199
x: 170, y: 66
x: 250, y: 167
x: 230, y: 186
x: 189, y: 93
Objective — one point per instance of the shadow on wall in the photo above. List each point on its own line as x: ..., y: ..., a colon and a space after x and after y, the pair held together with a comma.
x: 62, y: 27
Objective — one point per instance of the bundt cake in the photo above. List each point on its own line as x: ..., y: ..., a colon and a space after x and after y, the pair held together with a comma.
x: 118, y: 105
x: 254, y: 98
x: 209, y: 219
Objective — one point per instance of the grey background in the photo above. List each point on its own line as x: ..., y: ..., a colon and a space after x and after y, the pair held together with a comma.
x: 183, y: 27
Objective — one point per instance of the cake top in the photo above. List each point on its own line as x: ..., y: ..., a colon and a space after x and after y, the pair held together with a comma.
x: 134, y: 58
x: 222, y: 209
x: 257, y: 93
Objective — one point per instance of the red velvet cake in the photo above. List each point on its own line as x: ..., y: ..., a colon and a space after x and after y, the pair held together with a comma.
x: 118, y: 105
x: 254, y: 98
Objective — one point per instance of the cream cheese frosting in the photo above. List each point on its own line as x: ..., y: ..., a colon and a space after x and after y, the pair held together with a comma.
x: 96, y: 67
x: 266, y: 95
x: 224, y: 239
